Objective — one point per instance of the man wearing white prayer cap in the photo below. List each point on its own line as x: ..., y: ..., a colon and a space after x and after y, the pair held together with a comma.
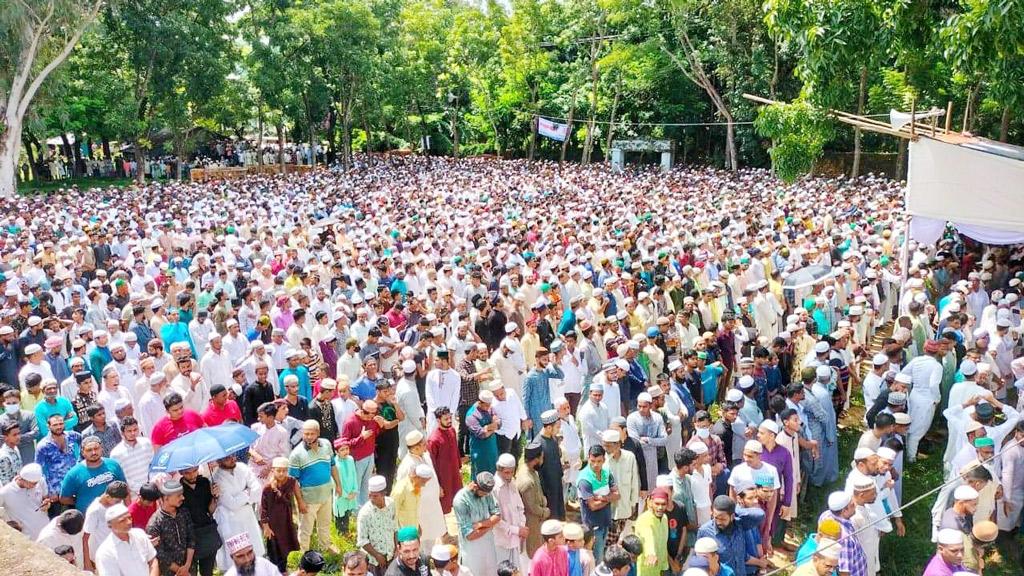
x: 648, y: 429
x: 949, y: 554
x: 245, y: 560
x: 510, y: 533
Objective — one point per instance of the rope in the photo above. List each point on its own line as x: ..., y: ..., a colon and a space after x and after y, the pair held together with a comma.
x: 902, y: 507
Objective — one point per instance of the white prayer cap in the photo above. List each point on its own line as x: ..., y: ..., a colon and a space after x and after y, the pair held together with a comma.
x: 838, y: 500
x: 965, y: 493
x: 705, y: 545
x: 486, y: 396
x: 828, y: 548
x: 823, y: 371
x: 238, y: 543
x: 863, y: 453
x: 902, y: 418
x: 674, y: 365
x: 644, y: 397
x: 551, y: 527
x: 968, y: 367
x: 769, y: 425
x: 903, y: 378
x: 880, y: 359
x: 746, y: 382
x: 377, y: 484
x: 424, y: 471
x: 753, y: 446
x: 611, y: 436
x: 886, y: 453
x: 115, y: 512
x: 734, y: 395
x: 413, y: 438
x: 699, y: 448
x: 950, y: 537
x: 820, y: 347
x: 511, y: 327
x: 506, y: 461
x: 663, y: 481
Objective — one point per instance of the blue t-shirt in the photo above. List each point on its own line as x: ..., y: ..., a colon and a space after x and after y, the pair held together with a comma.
x: 86, y: 484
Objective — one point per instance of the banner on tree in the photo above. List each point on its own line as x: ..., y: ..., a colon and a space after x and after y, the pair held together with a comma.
x: 552, y: 130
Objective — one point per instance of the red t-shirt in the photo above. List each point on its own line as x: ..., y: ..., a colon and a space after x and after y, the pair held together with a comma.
x: 141, y: 514
x: 352, y: 430
x: 215, y: 416
x: 167, y: 430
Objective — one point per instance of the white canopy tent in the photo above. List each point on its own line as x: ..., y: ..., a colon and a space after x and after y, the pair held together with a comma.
x: 977, y: 185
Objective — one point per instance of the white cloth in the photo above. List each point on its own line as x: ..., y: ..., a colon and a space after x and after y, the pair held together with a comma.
x: 22, y: 505
x: 431, y: 516
x: 264, y: 567
x: 443, y: 387
x: 239, y: 492
x: 117, y: 557
x: 52, y: 536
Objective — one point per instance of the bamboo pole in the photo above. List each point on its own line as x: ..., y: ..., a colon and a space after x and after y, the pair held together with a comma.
x: 949, y: 115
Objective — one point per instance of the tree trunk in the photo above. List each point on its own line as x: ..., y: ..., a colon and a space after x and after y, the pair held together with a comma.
x: 861, y: 92
x: 455, y: 129
x: 611, y: 120
x: 140, y: 164
x: 969, y: 114
x: 346, y: 129
x: 1004, y: 124
x: 588, y: 143
x: 259, y: 141
x: 568, y: 127
x: 280, y: 145
x: 731, y: 158
x: 533, y: 122
x: 30, y: 154
x: 369, y: 135
x: 68, y: 154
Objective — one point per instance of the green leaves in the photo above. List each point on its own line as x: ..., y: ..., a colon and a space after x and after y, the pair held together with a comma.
x: 798, y: 132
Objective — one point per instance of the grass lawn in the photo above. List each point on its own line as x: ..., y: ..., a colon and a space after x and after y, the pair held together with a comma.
x: 43, y: 187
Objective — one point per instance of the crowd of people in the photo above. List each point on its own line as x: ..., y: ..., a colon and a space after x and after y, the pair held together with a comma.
x: 642, y: 373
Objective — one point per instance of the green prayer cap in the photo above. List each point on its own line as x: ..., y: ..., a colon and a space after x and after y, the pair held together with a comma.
x: 407, y: 534
x: 984, y: 442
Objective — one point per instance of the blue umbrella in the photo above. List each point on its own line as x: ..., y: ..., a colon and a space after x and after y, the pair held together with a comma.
x: 202, y: 446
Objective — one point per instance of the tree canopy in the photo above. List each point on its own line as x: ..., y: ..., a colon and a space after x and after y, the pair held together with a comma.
x: 471, y: 78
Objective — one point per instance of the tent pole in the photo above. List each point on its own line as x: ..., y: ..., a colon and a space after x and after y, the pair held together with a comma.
x: 905, y: 249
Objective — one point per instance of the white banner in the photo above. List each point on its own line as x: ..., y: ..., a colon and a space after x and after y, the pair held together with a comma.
x: 551, y: 129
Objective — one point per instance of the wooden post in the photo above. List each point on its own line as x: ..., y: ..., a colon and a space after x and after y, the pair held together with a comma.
x: 949, y: 115
x: 934, y: 122
x: 913, y: 113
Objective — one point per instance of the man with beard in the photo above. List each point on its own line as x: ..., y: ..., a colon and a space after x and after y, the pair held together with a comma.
x: 246, y: 561
x: 444, y: 454
x: 535, y: 504
x: 551, y: 470
x: 239, y: 491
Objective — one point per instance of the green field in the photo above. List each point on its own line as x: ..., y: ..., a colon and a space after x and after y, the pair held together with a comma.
x: 43, y: 187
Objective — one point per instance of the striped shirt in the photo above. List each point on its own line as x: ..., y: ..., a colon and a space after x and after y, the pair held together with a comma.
x: 311, y: 468
x: 134, y: 460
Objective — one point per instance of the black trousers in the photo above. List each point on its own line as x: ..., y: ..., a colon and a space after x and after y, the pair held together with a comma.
x: 463, y: 431
x: 203, y: 566
x: 509, y: 446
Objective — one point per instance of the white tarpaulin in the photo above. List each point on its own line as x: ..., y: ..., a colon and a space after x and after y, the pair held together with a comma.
x: 981, y: 193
